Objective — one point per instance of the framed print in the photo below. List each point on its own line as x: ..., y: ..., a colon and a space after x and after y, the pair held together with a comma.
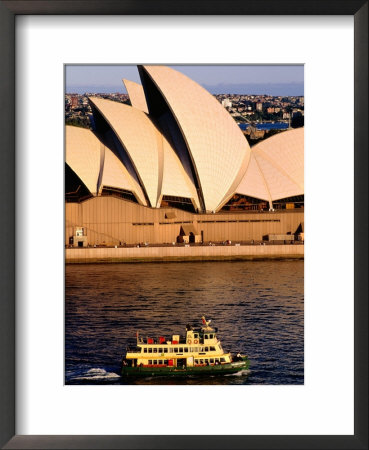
x: 42, y: 407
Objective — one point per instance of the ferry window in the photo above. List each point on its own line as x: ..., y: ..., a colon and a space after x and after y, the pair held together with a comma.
x: 201, y: 361
x: 195, y: 336
x: 210, y: 336
x: 155, y: 361
x: 160, y: 350
x: 186, y: 349
x: 155, y: 350
x: 196, y: 361
x: 150, y: 350
x: 150, y: 361
x: 165, y: 350
x: 205, y: 336
x: 176, y: 350
x: 145, y: 350
x: 222, y: 359
x: 206, y: 349
x: 165, y: 361
x: 212, y: 349
x: 180, y: 349
x: 211, y: 360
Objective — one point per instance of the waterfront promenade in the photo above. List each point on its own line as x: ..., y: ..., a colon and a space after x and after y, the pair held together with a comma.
x: 183, y: 253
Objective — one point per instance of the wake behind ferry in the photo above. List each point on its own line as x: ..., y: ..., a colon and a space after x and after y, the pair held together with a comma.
x: 199, y: 352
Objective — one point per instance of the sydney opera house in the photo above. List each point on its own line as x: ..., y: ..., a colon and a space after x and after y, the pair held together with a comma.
x: 174, y: 166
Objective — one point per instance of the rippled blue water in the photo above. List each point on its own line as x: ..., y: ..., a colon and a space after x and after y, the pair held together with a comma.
x: 266, y: 126
x: 258, y: 308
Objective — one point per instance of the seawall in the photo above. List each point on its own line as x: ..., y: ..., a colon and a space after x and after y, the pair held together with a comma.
x: 191, y: 253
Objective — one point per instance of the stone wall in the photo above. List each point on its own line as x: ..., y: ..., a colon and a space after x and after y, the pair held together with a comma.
x: 184, y: 253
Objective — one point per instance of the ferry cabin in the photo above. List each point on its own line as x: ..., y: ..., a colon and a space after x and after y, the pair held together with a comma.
x: 199, y: 348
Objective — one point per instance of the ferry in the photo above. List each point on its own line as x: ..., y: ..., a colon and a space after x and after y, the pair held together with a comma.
x: 198, y: 352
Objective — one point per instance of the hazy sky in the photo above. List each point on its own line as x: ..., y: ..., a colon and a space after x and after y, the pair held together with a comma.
x: 217, y: 79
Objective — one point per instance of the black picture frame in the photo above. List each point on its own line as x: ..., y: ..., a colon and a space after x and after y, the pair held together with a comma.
x: 8, y: 11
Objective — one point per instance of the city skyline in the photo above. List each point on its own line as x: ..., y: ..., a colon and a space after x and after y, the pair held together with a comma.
x: 276, y: 80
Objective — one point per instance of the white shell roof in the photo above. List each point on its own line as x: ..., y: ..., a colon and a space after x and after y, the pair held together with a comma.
x: 276, y: 168
x: 253, y: 183
x: 139, y: 137
x: 286, y: 152
x: 87, y: 156
x: 176, y: 182
x: 116, y: 175
x: 136, y: 95
x: 222, y: 159
x: 217, y: 146
x: 82, y: 154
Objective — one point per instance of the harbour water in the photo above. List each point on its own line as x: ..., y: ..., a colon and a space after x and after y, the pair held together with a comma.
x: 258, y: 307
x: 266, y: 126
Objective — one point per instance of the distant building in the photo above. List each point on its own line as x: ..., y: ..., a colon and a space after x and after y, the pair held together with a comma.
x: 226, y: 103
x: 74, y: 101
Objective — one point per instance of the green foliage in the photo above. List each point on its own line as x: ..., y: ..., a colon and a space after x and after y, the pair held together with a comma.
x: 82, y: 122
x: 297, y: 121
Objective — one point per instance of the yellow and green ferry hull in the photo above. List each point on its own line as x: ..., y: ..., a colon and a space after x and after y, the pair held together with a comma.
x: 220, y: 369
